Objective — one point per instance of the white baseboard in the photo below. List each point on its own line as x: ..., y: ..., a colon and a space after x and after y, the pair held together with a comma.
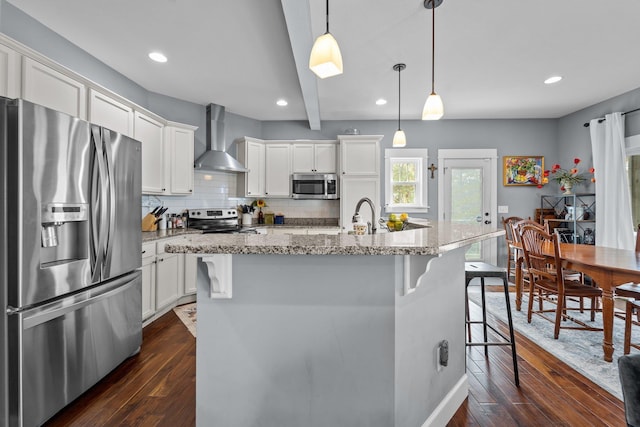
x: 449, y: 405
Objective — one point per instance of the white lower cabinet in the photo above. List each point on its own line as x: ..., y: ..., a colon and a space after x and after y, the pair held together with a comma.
x: 190, y: 274
x: 167, y: 278
x: 164, y: 278
x: 148, y: 280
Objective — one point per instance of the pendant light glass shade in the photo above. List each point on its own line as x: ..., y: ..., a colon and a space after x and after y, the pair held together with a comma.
x: 399, y: 138
x: 326, y: 60
x: 433, y: 108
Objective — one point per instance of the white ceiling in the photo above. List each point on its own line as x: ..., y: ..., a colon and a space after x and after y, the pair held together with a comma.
x: 491, y: 55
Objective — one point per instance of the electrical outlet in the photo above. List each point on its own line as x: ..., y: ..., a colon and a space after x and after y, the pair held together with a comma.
x: 443, y: 354
x: 503, y: 209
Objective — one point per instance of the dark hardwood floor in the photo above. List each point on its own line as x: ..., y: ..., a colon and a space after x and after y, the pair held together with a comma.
x: 157, y: 388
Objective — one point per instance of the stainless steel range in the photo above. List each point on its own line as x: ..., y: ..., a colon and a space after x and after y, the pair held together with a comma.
x: 217, y: 220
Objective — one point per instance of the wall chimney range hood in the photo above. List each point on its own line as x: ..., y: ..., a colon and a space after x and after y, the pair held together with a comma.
x: 215, y: 158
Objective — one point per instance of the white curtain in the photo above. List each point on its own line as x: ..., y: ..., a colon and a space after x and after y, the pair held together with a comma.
x: 614, y: 223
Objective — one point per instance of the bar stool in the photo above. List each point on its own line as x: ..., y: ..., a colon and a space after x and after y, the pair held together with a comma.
x: 481, y: 270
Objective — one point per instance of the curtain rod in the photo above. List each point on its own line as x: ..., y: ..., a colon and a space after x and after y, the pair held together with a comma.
x: 602, y: 119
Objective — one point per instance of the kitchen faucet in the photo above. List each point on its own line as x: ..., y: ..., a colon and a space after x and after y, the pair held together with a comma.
x: 371, y: 229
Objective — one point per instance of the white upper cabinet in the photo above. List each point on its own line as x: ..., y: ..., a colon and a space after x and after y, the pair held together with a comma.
x: 303, y: 158
x: 251, y: 154
x: 277, y: 170
x: 179, y: 153
x: 9, y: 72
x: 360, y: 155
x: 45, y: 86
x: 106, y: 111
x: 360, y: 166
x: 149, y: 132
x: 314, y: 157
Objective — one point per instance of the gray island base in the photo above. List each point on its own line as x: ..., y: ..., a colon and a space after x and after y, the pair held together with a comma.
x: 291, y: 339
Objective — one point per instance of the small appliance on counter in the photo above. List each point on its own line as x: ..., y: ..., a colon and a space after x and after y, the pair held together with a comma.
x: 217, y: 220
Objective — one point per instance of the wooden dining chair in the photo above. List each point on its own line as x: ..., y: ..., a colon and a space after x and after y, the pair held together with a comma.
x: 512, y: 250
x: 544, y: 265
x: 517, y: 229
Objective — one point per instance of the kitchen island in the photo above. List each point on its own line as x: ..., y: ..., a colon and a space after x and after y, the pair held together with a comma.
x: 331, y: 330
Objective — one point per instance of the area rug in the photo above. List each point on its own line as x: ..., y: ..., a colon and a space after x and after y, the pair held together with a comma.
x: 187, y: 313
x: 582, y: 350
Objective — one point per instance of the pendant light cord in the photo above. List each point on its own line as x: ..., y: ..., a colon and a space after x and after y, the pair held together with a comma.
x: 433, y: 48
x: 399, y: 96
x: 327, y: 17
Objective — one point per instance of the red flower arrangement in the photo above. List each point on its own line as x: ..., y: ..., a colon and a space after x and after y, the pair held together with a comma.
x: 566, y: 176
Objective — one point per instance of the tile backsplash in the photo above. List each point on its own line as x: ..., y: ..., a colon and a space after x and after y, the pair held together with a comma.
x: 218, y: 189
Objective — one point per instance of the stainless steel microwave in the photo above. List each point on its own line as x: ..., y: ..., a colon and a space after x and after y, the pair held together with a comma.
x: 314, y: 186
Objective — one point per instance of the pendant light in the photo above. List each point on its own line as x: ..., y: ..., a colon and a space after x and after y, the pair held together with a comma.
x: 399, y: 138
x: 433, y: 108
x: 325, y: 59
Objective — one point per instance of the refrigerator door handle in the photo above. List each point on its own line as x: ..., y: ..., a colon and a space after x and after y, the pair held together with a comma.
x: 98, y: 210
x: 111, y: 200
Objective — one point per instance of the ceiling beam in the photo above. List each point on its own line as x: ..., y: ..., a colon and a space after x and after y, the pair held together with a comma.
x: 297, y: 15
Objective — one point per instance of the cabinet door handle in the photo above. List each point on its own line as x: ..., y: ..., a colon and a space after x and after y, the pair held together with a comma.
x: 144, y: 252
x: 161, y: 259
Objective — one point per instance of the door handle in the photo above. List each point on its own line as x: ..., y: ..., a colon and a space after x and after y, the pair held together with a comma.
x: 111, y: 199
x: 487, y: 221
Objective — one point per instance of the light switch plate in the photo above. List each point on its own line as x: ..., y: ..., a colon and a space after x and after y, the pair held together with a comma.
x: 503, y: 209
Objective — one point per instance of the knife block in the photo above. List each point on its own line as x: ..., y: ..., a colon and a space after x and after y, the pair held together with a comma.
x: 149, y: 223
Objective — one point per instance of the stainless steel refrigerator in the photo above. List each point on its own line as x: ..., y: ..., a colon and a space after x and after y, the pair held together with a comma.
x: 69, y: 258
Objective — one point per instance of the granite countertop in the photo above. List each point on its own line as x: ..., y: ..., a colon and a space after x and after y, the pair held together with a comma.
x: 150, y: 236
x: 439, y: 238
x: 287, y: 225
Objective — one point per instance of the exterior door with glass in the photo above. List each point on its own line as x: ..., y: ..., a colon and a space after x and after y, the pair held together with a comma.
x: 468, y: 192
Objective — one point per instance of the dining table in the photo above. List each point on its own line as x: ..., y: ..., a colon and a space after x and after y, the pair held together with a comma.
x: 607, y: 267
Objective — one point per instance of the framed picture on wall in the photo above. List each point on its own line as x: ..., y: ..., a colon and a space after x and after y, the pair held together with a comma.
x: 523, y: 170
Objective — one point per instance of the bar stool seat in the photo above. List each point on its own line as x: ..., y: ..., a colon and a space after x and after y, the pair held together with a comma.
x: 482, y: 270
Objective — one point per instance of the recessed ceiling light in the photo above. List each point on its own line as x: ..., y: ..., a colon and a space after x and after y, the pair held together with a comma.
x: 282, y: 102
x: 158, y: 57
x: 553, y: 79
x: 381, y: 101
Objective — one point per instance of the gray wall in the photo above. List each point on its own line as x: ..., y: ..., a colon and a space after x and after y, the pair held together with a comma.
x: 574, y: 139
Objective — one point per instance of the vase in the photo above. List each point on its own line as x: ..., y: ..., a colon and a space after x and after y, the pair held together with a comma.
x: 568, y: 186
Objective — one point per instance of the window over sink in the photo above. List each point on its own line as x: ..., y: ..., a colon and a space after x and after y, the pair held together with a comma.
x: 406, y: 180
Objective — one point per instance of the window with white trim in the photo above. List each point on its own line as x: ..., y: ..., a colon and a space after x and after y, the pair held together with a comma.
x: 405, y: 180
